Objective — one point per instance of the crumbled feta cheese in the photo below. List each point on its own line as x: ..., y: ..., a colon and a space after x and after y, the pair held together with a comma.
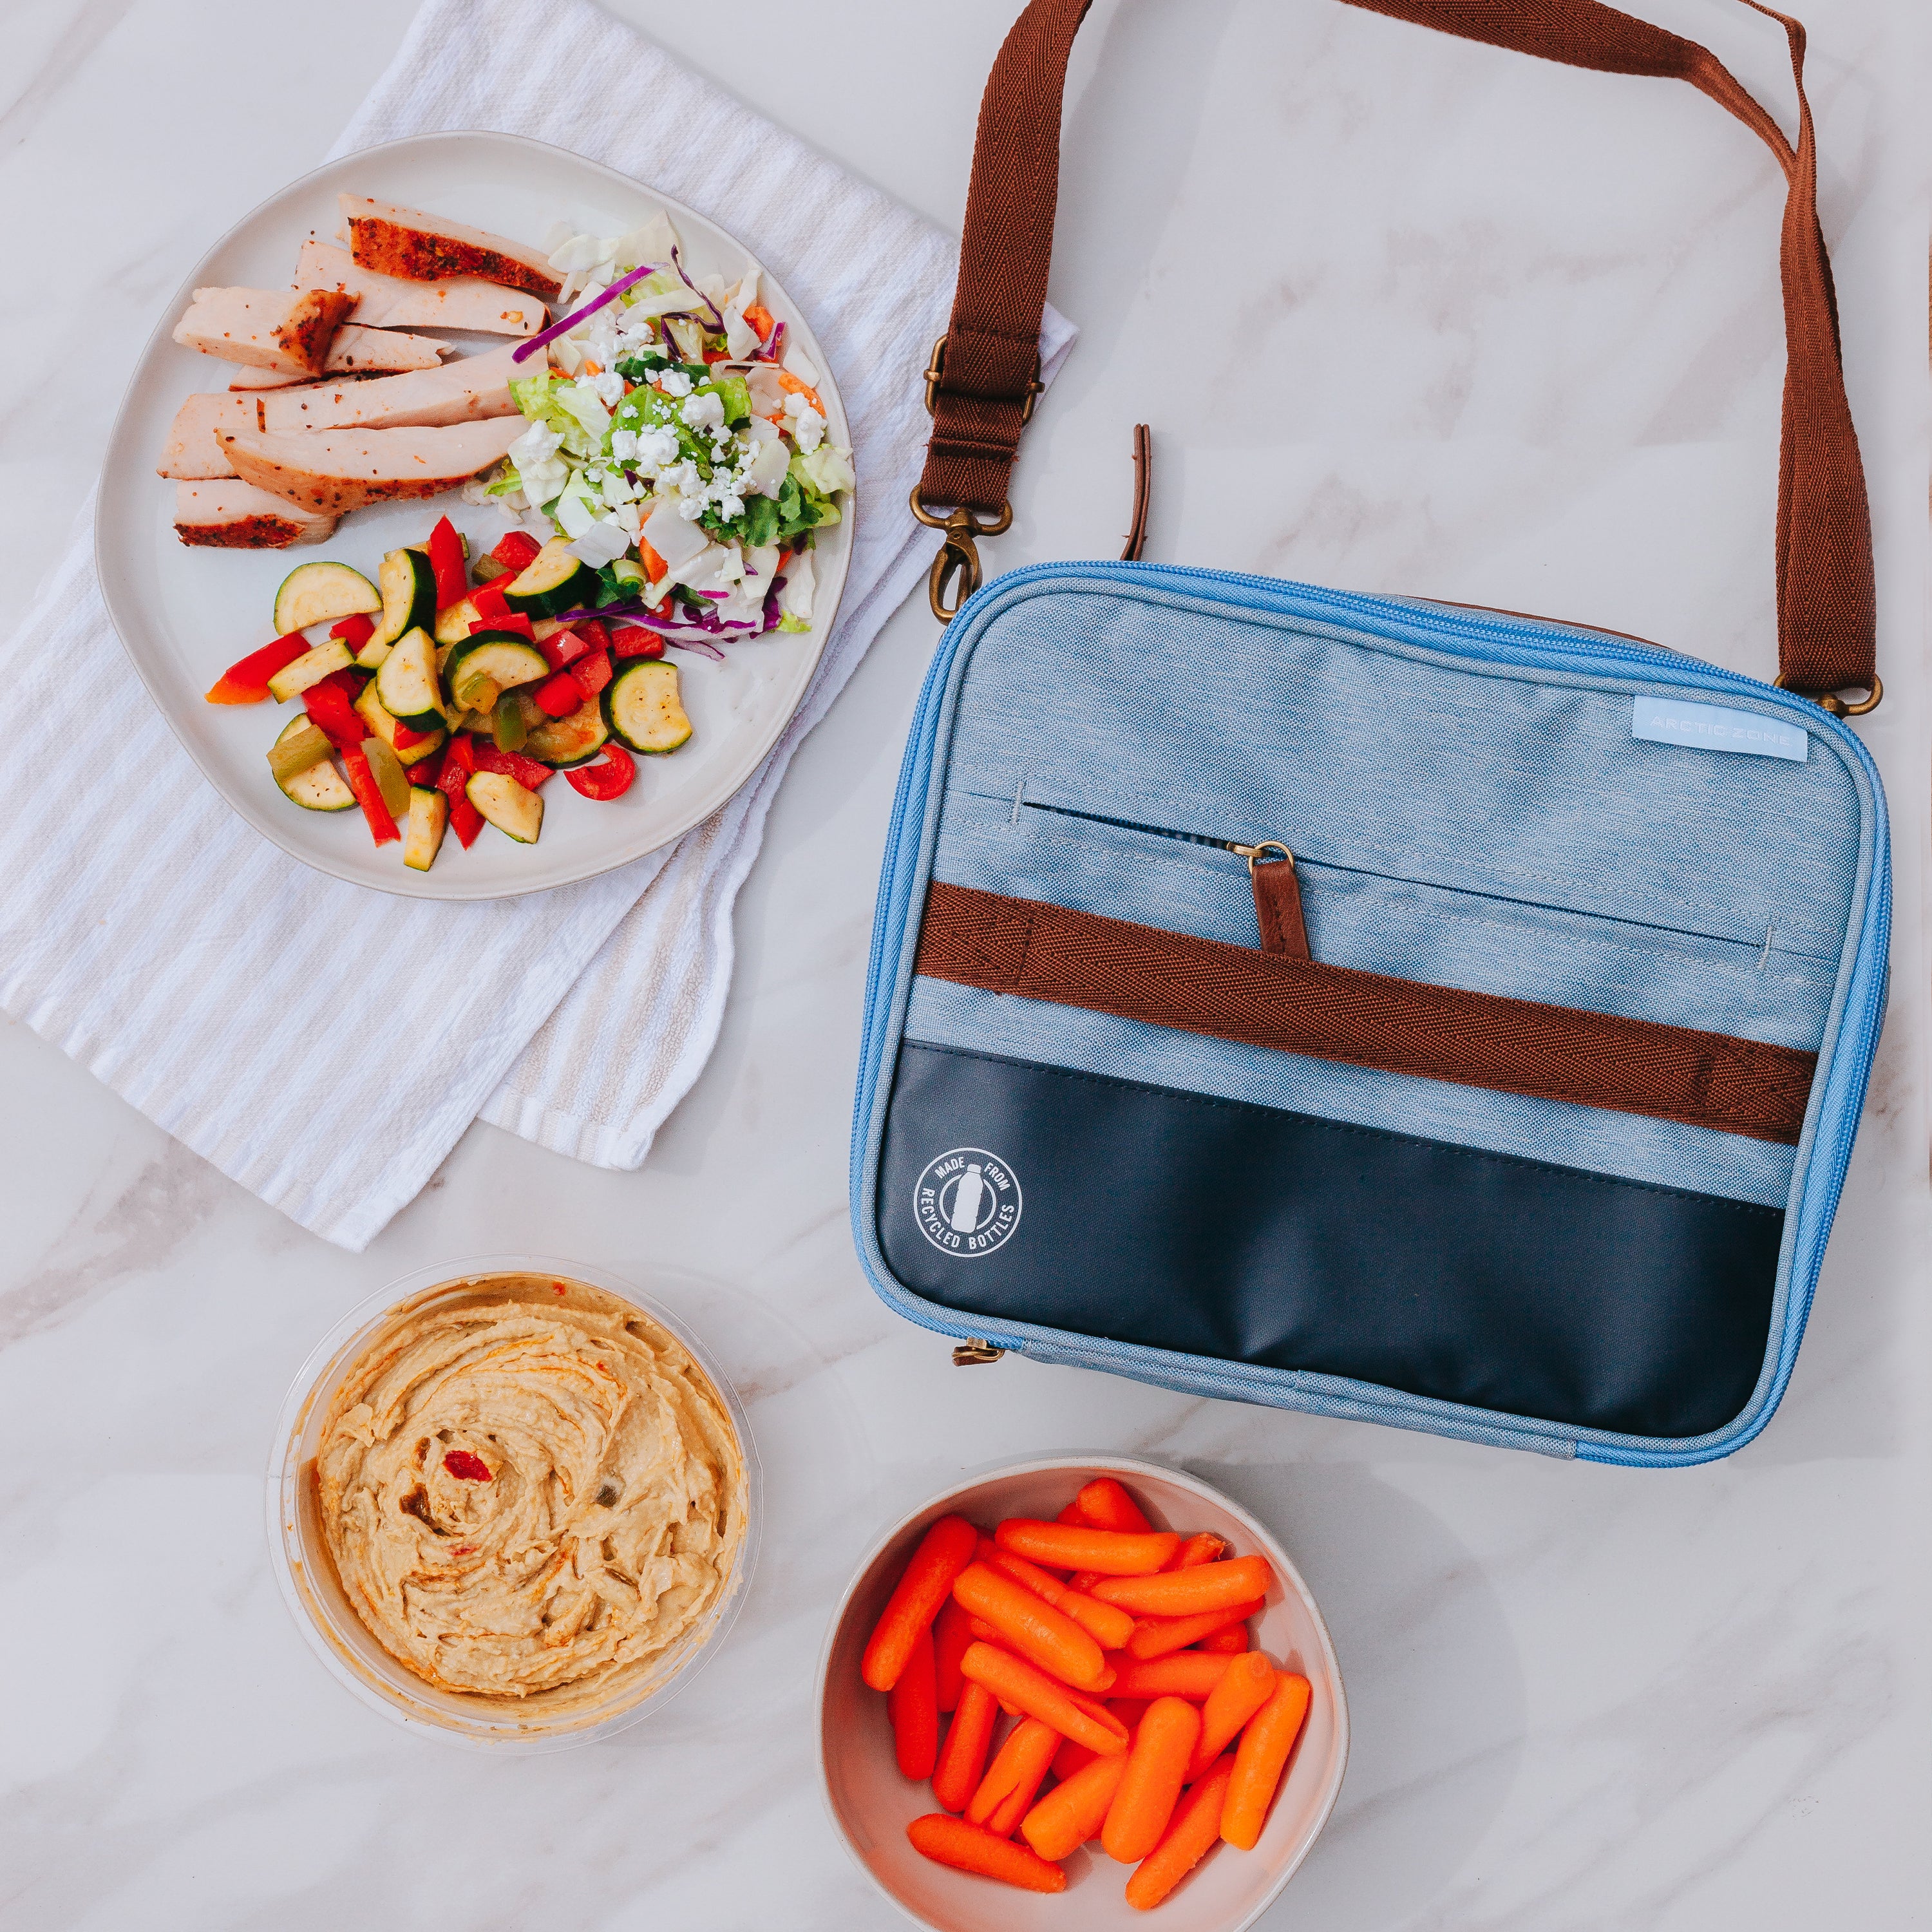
x: 673, y: 382
x: 537, y: 444
x: 656, y: 450
x: 702, y: 412
x: 624, y: 444
x: 807, y: 423
x: 610, y: 385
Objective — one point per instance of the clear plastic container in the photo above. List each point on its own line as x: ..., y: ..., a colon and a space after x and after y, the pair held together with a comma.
x: 315, y: 1597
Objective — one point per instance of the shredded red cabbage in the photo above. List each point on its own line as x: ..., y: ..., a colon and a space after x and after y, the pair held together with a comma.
x: 544, y: 336
x: 717, y: 320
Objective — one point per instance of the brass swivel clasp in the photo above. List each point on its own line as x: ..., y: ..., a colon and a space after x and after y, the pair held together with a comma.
x: 956, y: 572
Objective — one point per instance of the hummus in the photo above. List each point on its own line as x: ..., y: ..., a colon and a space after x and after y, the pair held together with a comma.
x: 530, y: 1492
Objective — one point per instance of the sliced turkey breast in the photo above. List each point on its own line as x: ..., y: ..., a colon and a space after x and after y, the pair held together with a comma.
x: 330, y: 471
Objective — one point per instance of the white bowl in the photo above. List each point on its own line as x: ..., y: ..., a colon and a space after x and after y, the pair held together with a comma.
x: 871, y: 1804
x: 315, y: 1599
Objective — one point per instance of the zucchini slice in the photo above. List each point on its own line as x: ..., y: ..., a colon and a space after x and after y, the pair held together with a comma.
x: 319, y: 593
x: 570, y: 739
x: 422, y: 837
x: 369, y: 709
x: 501, y: 657
x: 453, y: 620
x: 409, y: 603
x: 406, y: 682
x: 641, y: 707
x: 311, y: 667
x: 317, y: 788
x: 510, y: 808
x: 552, y: 581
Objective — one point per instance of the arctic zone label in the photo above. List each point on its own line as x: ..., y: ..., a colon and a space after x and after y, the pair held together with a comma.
x: 966, y: 1202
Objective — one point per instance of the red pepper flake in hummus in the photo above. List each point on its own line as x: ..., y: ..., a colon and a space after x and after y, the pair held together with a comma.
x: 466, y: 1467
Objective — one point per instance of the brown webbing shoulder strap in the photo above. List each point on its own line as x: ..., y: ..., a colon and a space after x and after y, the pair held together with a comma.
x: 982, y: 386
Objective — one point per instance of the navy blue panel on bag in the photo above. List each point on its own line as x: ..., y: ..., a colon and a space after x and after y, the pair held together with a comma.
x: 1180, y: 1221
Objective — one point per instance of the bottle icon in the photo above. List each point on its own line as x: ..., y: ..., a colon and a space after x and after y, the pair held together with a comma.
x: 964, y: 1217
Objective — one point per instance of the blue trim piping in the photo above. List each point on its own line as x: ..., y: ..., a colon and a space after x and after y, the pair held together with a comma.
x: 1553, y: 651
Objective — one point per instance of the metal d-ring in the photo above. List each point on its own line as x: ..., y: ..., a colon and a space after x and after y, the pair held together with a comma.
x: 1829, y: 700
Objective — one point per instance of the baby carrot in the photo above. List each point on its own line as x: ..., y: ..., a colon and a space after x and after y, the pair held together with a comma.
x: 1205, y: 1547
x: 1106, y: 1505
x: 1179, y: 1593
x: 950, y: 1636
x: 913, y: 1705
x: 1155, y: 1636
x: 970, y: 1848
x: 1074, y: 1810
x: 963, y: 1755
x: 1006, y: 1791
x: 1260, y: 1760
x: 1013, y: 1681
x: 1030, y: 1625
x: 1197, y: 1824
x: 1150, y: 1787
x: 1074, y: 1517
x: 1228, y: 1643
x: 1187, y: 1673
x: 1108, y: 1551
x: 1072, y: 1757
x: 944, y: 1551
x: 1109, y: 1627
x: 1247, y: 1685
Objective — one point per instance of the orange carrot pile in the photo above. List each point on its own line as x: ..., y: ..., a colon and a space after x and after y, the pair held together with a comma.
x: 1138, y: 1714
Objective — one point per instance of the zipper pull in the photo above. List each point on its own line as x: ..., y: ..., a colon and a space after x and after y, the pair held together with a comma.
x: 1277, y: 897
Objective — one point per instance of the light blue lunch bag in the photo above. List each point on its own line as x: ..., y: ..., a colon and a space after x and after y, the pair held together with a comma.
x: 1360, y: 1004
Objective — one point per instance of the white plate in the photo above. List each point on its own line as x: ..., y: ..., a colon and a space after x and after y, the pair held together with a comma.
x: 186, y: 614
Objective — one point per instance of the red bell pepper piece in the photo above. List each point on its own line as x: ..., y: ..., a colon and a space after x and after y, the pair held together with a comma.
x: 489, y: 601
x: 511, y: 620
x: 334, y: 711
x: 407, y: 736
x: 595, y: 635
x: 368, y: 794
x: 527, y: 772
x: 591, y: 673
x: 246, y: 682
x: 558, y: 697
x: 452, y: 781
x: 633, y: 640
x: 446, y: 559
x: 516, y: 551
x: 563, y: 647
x: 355, y: 631
x: 605, y: 777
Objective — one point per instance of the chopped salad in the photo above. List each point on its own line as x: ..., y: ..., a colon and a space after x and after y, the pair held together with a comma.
x: 678, y: 448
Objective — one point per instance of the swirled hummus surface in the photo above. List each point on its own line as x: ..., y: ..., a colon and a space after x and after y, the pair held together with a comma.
x: 528, y: 1493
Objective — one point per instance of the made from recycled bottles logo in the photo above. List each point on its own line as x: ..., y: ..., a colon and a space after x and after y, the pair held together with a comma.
x: 966, y: 1202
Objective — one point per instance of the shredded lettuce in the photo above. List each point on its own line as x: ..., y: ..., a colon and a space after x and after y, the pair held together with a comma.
x: 826, y: 470
x: 791, y: 623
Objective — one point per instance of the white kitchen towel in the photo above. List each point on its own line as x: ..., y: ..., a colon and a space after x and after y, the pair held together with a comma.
x: 223, y: 988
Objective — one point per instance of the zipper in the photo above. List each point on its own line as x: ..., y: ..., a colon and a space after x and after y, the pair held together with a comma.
x: 1252, y: 853
x: 1767, y: 946
x: 1527, y: 645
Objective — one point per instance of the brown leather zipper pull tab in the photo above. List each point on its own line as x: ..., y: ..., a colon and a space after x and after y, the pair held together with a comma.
x: 1277, y: 898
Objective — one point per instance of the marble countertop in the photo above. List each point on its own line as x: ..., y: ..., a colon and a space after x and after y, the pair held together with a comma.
x: 1404, y: 314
